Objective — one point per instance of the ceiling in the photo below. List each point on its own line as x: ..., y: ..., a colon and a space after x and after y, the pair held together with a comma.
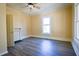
x: 44, y: 7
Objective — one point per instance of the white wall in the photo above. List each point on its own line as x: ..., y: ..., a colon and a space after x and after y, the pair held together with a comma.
x: 3, y: 42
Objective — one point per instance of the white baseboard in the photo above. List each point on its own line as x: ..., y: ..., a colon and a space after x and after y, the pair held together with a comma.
x: 75, y: 45
x: 54, y: 38
x: 4, y: 53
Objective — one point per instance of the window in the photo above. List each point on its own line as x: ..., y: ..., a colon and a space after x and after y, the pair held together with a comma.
x: 46, y: 25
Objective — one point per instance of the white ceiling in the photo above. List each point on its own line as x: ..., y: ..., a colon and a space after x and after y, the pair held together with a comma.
x: 44, y: 7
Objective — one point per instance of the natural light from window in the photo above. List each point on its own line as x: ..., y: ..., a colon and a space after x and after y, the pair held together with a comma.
x: 46, y: 25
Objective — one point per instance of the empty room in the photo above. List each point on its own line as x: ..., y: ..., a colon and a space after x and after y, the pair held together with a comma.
x: 39, y: 29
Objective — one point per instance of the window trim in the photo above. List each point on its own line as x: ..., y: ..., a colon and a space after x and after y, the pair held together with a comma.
x: 46, y: 24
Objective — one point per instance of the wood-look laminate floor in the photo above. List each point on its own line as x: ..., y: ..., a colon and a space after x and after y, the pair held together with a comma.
x: 41, y: 47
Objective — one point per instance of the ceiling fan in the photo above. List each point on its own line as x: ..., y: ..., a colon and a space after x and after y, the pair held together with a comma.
x: 32, y: 5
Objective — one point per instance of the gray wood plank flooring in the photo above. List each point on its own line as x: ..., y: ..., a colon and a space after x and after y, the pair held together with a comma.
x: 41, y: 47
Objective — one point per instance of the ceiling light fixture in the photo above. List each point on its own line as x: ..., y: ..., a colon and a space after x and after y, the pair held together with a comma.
x: 32, y: 5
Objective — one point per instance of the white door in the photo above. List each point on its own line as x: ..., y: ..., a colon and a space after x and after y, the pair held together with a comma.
x: 76, y: 22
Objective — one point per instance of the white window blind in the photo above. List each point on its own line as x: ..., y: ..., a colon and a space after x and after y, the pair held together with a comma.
x: 46, y: 25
